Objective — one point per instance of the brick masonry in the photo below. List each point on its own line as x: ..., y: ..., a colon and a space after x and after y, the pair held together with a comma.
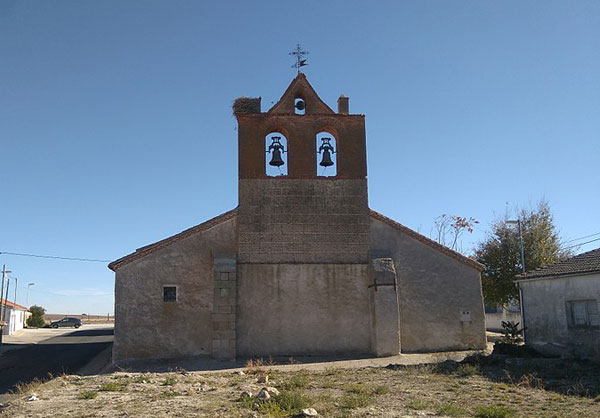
x: 224, y: 308
x: 303, y: 221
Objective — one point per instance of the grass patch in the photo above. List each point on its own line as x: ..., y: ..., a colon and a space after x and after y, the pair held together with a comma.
x: 297, y: 381
x: 418, y: 404
x: 25, y: 387
x: 114, y: 386
x: 169, y: 381
x: 451, y: 410
x: 466, y: 370
x: 288, y: 403
x: 356, y: 400
x: 87, y: 394
x: 493, y: 411
x: 597, y: 398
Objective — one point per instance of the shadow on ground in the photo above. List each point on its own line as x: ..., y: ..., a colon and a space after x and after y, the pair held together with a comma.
x: 54, y: 356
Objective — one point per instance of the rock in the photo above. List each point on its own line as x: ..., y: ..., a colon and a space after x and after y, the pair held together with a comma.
x: 309, y: 412
x: 272, y: 390
x: 33, y: 398
x: 263, y: 378
x: 263, y: 395
x: 241, y: 373
x: 245, y: 394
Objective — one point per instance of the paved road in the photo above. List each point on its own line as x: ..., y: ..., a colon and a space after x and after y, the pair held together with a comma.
x: 64, y: 353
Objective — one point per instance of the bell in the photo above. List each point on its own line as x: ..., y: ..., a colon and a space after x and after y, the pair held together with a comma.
x: 276, y: 158
x: 326, y: 160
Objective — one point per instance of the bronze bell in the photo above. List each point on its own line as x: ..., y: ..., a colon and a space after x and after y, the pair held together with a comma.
x: 276, y: 149
x: 326, y: 160
x: 326, y: 148
x: 276, y: 159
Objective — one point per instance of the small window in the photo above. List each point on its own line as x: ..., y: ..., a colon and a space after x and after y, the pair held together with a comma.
x: 583, y: 313
x: 299, y: 106
x: 170, y: 294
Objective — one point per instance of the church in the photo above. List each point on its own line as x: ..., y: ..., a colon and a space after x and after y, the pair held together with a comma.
x: 302, y: 266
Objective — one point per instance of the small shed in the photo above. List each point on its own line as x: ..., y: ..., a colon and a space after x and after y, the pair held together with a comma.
x: 14, y: 316
x: 560, y: 306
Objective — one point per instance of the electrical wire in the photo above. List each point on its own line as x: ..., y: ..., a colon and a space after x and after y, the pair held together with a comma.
x: 577, y: 239
x: 583, y: 243
x: 55, y: 257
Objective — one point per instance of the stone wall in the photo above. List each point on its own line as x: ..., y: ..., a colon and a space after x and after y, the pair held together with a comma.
x: 145, y: 326
x: 302, y: 309
x: 303, y: 221
x: 436, y: 294
x: 545, y: 315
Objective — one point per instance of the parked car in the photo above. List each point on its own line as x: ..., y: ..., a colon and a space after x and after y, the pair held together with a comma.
x: 66, y: 322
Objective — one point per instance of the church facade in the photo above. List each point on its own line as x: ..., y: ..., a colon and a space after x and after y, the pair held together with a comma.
x: 302, y: 266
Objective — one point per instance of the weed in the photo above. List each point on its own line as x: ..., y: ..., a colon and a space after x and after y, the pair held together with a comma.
x: 531, y: 380
x: 493, y: 411
x: 380, y: 390
x: 451, y: 410
x: 597, y: 398
x: 356, y: 400
x: 418, y: 404
x: 466, y: 370
x: 357, y: 388
x: 24, y: 387
x: 87, y: 394
x: 169, y: 381
x: 285, y: 404
x: 297, y: 381
x: 114, y: 386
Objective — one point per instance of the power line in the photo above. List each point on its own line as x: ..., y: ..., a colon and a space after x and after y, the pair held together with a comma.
x: 56, y: 257
x: 577, y: 239
x: 583, y: 243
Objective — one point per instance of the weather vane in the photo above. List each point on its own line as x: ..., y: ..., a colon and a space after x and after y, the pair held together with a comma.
x: 300, y: 60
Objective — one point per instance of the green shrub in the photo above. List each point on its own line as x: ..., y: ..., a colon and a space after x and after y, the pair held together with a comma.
x: 36, y: 320
x: 418, y: 404
x: 466, y: 370
x: 352, y: 401
x: 169, y: 381
x: 114, y: 386
x: 450, y: 410
x: 87, y: 394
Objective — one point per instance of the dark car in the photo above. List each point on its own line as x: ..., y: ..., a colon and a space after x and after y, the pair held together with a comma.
x: 66, y: 322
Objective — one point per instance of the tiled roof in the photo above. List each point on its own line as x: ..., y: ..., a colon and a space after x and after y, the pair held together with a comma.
x: 427, y: 241
x: 588, y: 262
x: 12, y: 305
x: 143, y: 251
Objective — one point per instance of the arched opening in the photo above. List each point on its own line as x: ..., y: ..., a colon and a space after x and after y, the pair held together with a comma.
x: 276, y: 151
x: 299, y: 106
x: 326, y: 155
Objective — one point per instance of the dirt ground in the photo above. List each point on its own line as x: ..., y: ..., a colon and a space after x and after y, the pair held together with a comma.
x: 492, y: 387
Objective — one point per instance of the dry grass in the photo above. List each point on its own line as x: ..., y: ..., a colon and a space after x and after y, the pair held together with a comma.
x: 457, y: 391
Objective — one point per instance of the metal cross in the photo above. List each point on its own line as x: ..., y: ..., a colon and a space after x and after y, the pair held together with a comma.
x: 300, y: 60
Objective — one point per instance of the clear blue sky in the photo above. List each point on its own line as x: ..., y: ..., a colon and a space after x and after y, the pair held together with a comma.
x: 116, y: 128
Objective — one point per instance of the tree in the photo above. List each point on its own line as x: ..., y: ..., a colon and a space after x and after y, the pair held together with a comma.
x: 453, y: 226
x: 37, y: 317
x: 500, y: 251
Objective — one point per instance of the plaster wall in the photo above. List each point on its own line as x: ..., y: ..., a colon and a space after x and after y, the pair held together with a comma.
x: 145, y: 326
x: 302, y: 309
x: 433, y: 292
x: 545, y: 312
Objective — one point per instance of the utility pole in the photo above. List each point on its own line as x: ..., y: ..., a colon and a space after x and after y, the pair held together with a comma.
x: 6, y: 302
x: 27, y: 303
x: 4, y: 271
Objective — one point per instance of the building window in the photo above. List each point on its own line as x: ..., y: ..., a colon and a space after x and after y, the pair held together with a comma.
x: 169, y: 293
x: 583, y: 313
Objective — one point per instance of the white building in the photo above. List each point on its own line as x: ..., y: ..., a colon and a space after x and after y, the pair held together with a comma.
x: 14, y: 316
x: 560, y: 306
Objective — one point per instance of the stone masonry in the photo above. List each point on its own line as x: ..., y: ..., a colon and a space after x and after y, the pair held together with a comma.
x: 224, y: 307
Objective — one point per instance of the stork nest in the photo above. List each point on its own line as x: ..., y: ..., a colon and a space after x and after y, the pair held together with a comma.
x: 246, y: 105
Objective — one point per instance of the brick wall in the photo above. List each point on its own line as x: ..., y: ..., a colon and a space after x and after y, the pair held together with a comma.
x: 303, y: 221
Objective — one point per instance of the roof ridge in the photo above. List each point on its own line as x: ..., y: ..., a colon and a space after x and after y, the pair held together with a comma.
x: 428, y: 241
x: 147, y: 249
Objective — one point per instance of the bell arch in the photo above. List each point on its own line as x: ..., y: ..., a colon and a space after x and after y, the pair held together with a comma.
x: 276, y: 155
x: 327, y: 155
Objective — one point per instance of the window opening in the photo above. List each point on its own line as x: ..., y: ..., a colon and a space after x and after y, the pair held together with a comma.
x: 169, y: 293
x: 276, y: 155
x: 327, y: 155
x: 299, y: 106
x: 583, y: 313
